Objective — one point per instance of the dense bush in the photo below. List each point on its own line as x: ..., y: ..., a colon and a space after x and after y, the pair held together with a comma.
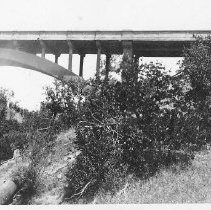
x: 63, y: 101
x: 34, y: 137
x: 148, y: 120
x: 6, y: 151
x: 27, y: 179
x: 28, y: 173
x: 16, y: 135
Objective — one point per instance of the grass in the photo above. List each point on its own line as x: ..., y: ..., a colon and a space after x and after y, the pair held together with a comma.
x: 173, y: 185
x: 48, y: 182
x: 53, y: 178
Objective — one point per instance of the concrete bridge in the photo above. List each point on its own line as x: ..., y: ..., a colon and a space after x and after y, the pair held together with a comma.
x: 19, y: 48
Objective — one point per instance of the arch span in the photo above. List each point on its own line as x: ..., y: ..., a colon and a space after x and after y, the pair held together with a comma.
x: 11, y: 57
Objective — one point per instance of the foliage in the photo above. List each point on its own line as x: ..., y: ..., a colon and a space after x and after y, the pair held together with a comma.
x: 27, y: 175
x: 16, y: 135
x: 5, y: 125
x: 195, y: 69
x: 26, y: 178
x: 148, y: 120
x: 63, y: 101
x: 120, y: 135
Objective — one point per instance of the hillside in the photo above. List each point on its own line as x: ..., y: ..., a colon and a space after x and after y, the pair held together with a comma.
x: 173, y: 185
x: 51, y: 176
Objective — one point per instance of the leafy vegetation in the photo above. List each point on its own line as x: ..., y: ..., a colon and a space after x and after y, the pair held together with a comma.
x: 140, y: 124
x: 33, y: 137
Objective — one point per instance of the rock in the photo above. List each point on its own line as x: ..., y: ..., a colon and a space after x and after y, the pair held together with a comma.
x: 7, y: 191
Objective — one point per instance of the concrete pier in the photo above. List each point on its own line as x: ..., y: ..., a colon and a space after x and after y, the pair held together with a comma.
x: 81, y: 65
x: 127, y: 49
x: 70, y: 53
x: 43, y: 48
x: 56, y: 58
x: 108, y: 65
x: 98, y: 45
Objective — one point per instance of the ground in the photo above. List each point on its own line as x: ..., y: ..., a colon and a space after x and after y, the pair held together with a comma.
x: 174, y: 185
x: 52, y: 176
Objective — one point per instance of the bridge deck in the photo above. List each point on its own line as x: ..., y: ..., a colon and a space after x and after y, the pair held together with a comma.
x: 145, y: 43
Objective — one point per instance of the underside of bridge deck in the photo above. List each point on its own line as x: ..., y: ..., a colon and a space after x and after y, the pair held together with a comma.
x: 141, y: 48
x: 138, y: 43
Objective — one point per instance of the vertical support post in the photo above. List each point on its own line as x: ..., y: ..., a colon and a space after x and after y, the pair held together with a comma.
x: 108, y: 60
x: 15, y: 45
x: 56, y: 58
x: 127, y: 49
x: 43, y: 48
x: 70, y: 45
x: 127, y: 54
x: 43, y: 53
x: 98, y: 60
x: 81, y: 64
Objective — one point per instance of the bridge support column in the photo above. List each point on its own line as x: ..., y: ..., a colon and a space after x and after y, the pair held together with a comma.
x: 43, y: 53
x: 108, y: 65
x: 127, y: 53
x: 81, y: 64
x: 56, y: 58
x: 127, y: 49
x: 43, y: 48
x: 98, y: 60
x: 70, y: 45
x: 16, y: 45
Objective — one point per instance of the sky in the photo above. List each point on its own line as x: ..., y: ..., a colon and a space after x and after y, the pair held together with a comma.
x: 91, y: 15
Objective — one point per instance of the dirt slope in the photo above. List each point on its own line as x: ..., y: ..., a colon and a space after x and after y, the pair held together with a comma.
x: 191, y: 185
x: 52, y: 177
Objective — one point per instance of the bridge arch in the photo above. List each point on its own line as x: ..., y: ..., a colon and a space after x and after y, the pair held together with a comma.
x: 11, y: 57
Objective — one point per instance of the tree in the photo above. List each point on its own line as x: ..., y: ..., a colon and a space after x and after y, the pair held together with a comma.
x: 195, y: 68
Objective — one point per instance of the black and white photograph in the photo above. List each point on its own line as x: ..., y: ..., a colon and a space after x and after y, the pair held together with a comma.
x: 105, y: 102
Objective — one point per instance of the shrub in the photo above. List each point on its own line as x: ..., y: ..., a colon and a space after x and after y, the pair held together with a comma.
x: 8, y: 128
x: 5, y: 150
x: 64, y: 100
x: 27, y: 180
x: 27, y: 176
x: 16, y: 139
x: 148, y: 120
x: 99, y: 160
x: 120, y: 137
